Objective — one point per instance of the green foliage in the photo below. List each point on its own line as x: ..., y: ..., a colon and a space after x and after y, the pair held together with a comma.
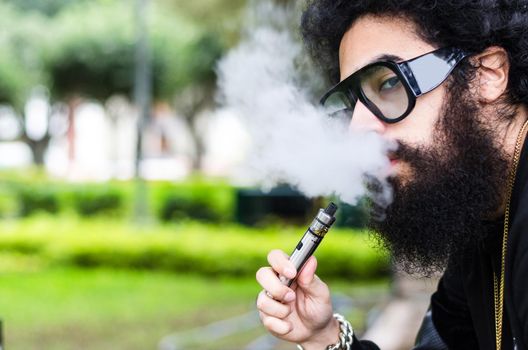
x: 34, y: 199
x: 47, y: 196
x: 209, y: 250
x: 88, y: 48
x: 220, y: 249
x: 178, y: 208
x: 94, y: 200
x: 8, y: 201
x: 192, y: 65
x: 224, y: 17
x: 47, y: 7
x: 85, y: 200
x: 99, y: 62
x: 195, y: 199
x: 20, y: 42
x: 352, y: 216
x: 13, y: 86
x: 92, y: 52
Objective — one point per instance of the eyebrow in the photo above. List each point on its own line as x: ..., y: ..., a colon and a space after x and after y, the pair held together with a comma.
x: 384, y: 57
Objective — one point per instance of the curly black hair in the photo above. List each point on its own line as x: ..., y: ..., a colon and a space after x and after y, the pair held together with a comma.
x: 473, y: 25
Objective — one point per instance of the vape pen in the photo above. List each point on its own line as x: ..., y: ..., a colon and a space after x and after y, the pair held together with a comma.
x: 311, y: 239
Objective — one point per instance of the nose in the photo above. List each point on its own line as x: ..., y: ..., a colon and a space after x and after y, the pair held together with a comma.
x: 364, y: 120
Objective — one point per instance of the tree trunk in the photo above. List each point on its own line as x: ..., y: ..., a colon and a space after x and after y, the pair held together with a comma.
x: 190, y: 102
x: 199, y: 146
x: 38, y: 149
x: 72, y: 103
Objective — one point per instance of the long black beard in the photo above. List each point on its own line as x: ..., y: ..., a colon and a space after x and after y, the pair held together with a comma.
x: 456, y: 186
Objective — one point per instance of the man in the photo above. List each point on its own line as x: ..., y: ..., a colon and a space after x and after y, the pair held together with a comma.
x: 447, y: 81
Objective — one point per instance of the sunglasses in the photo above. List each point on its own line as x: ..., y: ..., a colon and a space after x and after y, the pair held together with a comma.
x: 389, y: 89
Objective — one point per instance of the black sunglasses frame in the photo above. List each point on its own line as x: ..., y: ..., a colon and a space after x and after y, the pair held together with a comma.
x: 351, y: 87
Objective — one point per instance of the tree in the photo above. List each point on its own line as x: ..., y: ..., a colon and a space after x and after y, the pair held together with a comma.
x: 198, y: 94
x: 223, y: 17
x: 99, y: 63
x: 46, y: 7
x: 85, y: 50
x: 20, y: 69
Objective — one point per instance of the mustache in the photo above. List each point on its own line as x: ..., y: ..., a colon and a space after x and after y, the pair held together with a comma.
x: 407, y: 152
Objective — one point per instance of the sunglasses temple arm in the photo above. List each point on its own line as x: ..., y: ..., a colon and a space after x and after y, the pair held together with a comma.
x: 408, y: 74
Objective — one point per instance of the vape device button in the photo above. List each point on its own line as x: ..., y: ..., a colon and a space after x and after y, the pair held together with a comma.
x: 299, y: 246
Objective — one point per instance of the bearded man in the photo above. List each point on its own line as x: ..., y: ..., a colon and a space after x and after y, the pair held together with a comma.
x: 448, y: 82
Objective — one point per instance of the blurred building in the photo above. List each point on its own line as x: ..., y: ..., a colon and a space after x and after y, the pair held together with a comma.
x: 103, y: 145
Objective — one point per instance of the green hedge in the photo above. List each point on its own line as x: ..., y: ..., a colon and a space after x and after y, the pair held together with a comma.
x: 84, y: 199
x: 27, y: 193
x: 98, y: 200
x: 211, y: 201
x: 32, y: 199
x: 191, y: 247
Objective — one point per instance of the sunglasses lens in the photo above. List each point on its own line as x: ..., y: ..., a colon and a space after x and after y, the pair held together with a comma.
x: 384, y: 89
x: 339, y: 106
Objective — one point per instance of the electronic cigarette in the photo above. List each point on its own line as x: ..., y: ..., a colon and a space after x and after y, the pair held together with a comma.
x: 311, y: 239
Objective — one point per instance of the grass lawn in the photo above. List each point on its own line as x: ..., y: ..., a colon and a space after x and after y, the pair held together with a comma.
x: 108, y: 309
x: 69, y: 308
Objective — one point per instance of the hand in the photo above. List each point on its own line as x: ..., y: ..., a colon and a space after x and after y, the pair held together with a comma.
x: 300, y: 315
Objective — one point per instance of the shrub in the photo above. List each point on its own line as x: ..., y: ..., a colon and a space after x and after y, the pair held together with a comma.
x: 8, y: 202
x: 354, y: 216
x: 32, y: 199
x: 185, y: 248
x: 92, y: 200
x: 177, y: 208
x: 194, y: 199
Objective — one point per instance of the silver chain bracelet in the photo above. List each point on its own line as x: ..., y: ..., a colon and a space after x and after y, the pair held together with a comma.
x: 345, y: 335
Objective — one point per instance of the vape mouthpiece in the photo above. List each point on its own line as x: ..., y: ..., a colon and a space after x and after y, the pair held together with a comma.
x: 331, y: 209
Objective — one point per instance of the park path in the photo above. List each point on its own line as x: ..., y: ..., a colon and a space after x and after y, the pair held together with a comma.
x: 215, y: 331
x: 394, y: 325
x: 397, y: 325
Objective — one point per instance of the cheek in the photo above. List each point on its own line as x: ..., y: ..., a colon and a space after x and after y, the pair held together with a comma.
x: 419, y: 126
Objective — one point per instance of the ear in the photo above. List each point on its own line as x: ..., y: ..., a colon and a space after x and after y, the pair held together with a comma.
x: 492, y: 75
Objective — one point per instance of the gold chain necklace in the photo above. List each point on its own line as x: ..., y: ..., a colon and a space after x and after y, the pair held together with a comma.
x: 498, y: 290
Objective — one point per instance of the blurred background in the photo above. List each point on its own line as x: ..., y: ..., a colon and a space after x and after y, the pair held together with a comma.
x: 121, y: 223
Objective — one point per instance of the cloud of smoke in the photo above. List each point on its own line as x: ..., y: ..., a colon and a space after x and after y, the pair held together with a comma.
x: 264, y: 81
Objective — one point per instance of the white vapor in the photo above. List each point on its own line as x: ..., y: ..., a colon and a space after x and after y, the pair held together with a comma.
x: 292, y: 139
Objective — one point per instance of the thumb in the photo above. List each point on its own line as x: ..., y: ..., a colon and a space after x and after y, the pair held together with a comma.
x: 309, y: 282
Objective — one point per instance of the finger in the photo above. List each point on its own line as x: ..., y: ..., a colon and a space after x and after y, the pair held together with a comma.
x: 275, y: 325
x: 272, y: 307
x: 308, y: 280
x: 281, y: 263
x: 267, y: 278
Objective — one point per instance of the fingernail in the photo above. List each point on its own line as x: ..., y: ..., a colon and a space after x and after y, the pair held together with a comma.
x: 289, y: 272
x: 290, y: 296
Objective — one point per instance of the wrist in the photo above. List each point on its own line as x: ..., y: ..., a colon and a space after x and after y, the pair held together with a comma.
x: 329, y: 335
x: 345, y: 336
